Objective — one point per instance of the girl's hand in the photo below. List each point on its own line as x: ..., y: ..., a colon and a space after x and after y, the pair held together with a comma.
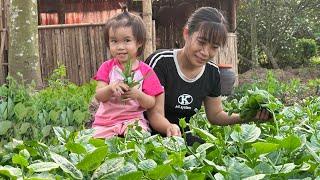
x: 173, y: 130
x: 119, y: 88
x: 132, y: 93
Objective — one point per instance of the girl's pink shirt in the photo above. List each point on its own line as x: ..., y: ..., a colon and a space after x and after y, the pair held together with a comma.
x: 115, y: 111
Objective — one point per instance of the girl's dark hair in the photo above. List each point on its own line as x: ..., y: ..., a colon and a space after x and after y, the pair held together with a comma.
x: 127, y: 19
x: 210, y: 23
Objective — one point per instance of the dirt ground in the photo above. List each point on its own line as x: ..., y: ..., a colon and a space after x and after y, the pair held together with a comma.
x: 286, y: 75
x: 304, y: 74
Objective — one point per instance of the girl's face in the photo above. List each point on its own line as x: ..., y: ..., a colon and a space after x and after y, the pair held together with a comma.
x: 198, y: 49
x: 123, y: 44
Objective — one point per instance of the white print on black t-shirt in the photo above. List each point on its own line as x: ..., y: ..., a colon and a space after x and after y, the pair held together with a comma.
x: 184, y: 100
x: 182, y: 107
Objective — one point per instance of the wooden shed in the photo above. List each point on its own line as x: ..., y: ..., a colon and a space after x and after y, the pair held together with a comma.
x: 171, y: 15
x: 71, y: 32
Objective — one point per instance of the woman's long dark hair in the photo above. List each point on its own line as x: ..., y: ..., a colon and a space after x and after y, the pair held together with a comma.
x: 210, y: 23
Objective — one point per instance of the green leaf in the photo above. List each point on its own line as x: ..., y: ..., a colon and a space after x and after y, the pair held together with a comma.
x: 248, y: 133
x: 204, y: 135
x: 70, y: 116
x: 159, y: 172
x: 46, y: 131
x: 255, y: 177
x: 62, y: 134
x: 66, y: 166
x: 20, y: 110
x: 93, y: 160
x: 5, y: 126
x: 18, y: 159
x: 54, y: 115
x: 132, y: 176
x: 42, y: 176
x: 84, y: 136
x: 76, y: 148
x: 24, y: 128
x: 109, y: 167
x: 128, y: 168
x: 10, y: 171
x: 182, y: 123
x: 264, y: 148
x: 264, y: 168
x: 3, y: 111
x: 239, y: 170
x: 174, y: 143
x: 97, y: 142
x: 196, y: 176
x: 285, y: 168
x: 147, y: 165
x: 191, y: 161
x: 217, y: 167
x: 43, y: 166
x: 203, y: 147
x: 25, y: 153
x: 10, y: 108
x: 79, y: 116
x: 291, y: 142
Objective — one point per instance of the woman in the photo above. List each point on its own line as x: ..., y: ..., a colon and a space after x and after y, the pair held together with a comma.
x: 189, y: 78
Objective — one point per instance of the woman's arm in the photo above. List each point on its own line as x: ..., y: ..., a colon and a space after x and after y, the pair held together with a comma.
x: 216, y: 115
x: 158, y: 121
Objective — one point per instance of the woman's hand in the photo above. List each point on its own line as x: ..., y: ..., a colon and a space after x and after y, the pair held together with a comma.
x: 263, y: 115
x: 173, y: 130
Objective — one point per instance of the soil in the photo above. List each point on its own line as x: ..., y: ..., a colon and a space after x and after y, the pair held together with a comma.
x: 284, y: 75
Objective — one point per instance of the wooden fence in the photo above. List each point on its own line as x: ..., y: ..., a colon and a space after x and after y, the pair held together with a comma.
x: 4, y: 5
x: 81, y: 48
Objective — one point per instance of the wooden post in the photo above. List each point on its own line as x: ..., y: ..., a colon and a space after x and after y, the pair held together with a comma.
x: 2, y: 76
x: 147, y: 18
x: 61, y: 12
x: 232, y: 15
x: 154, y: 35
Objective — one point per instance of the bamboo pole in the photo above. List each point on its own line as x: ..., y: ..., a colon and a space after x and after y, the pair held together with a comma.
x: 147, y: 18
x: 2, y: 75
x: 154, y: 35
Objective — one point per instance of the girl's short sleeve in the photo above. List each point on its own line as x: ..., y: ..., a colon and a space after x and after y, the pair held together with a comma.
x: 151, y: 84
x: 103, y: 72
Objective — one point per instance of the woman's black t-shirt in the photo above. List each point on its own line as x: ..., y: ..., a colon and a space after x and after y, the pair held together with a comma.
x: 183, y: 96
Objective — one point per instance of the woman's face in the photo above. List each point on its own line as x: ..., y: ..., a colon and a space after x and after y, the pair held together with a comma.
x: 198, y: 49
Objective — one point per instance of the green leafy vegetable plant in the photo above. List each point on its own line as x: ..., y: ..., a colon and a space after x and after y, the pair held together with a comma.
x: 128, y: 74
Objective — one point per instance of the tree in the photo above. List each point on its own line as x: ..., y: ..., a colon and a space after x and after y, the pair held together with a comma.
x: 276, y: 24
x: 23, y: 41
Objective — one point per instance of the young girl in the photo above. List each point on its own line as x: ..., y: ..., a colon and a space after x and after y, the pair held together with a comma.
x: 121, y: 105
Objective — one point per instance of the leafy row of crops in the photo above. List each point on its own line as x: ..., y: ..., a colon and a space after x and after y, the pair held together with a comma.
x: 288, y: 147
x: 29, y: 114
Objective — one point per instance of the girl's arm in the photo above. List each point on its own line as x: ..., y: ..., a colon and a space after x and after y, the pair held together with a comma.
x: 146, y: 101
x: 158, y: 121
x: 104, y: 90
